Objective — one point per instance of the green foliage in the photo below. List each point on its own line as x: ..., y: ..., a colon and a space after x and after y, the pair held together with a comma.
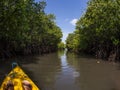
x: 61, y: 46
x: 24, y: 24
x: 99, y: 27
x: 72, y: 42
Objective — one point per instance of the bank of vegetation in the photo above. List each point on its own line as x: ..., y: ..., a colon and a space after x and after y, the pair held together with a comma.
x: 61, y: 46
x: 98, y: 30
x: 26, y: 29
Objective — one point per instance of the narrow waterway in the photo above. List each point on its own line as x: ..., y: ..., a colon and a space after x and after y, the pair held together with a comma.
x: 67, y: 71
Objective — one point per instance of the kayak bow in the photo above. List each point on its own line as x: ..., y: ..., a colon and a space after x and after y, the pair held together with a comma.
x: 17, y: 76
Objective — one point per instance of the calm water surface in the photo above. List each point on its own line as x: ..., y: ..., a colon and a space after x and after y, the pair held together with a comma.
x: 67, y: 71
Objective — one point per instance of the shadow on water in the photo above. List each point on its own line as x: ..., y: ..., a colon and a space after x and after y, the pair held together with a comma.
x: 6, y: 65
x: 67, y: 71
x: 93, y: 75
x: 41, y: 69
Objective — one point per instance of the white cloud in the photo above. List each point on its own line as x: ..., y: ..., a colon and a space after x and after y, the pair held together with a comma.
x: 74, y: 21
x: 65, y: 34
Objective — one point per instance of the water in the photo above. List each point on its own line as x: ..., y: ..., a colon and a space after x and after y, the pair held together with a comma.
x: 67, y: 71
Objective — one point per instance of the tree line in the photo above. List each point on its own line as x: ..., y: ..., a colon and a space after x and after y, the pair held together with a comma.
x: 98, y: 30
x: 26, y: 29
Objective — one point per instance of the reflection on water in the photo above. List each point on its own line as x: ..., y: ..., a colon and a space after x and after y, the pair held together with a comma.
x: 67, y: 71
x: 67, y: 77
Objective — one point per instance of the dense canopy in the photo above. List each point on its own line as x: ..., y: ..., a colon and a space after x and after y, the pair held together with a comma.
x: 98, y: 30
x: 26, y: 29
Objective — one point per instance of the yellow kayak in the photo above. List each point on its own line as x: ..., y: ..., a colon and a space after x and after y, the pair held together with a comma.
x: 18, y: 80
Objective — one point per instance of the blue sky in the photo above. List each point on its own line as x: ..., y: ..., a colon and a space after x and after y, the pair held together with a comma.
x: 67, y: 12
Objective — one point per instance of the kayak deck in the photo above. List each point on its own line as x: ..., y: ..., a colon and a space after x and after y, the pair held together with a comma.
x: 17, y: 76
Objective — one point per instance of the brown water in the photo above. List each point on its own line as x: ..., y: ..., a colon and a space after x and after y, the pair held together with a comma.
x: 67, y: 71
